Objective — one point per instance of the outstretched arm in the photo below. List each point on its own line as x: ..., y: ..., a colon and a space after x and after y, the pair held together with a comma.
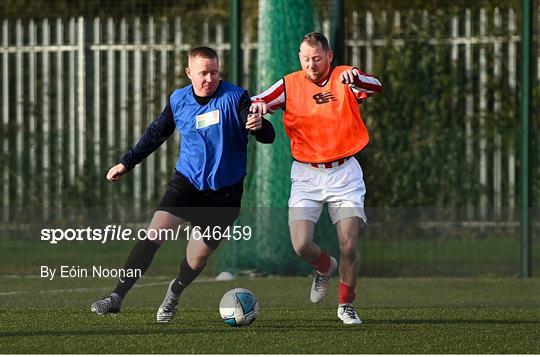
x: 269, y: 100
x: 153, y: 136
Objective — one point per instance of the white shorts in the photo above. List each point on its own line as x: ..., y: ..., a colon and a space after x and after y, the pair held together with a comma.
x: 342, y: 187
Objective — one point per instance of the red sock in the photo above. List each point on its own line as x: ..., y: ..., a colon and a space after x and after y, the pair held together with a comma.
x: 322, y: 263
x: 346, y: 293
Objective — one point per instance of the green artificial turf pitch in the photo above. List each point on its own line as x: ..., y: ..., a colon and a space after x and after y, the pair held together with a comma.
x: 401, y: 315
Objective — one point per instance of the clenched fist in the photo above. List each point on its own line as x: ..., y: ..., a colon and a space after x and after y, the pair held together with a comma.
x: 115, y: 172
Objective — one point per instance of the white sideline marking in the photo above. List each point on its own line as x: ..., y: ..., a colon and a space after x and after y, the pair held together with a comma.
x: 13, y: 293
x: 201, y: 280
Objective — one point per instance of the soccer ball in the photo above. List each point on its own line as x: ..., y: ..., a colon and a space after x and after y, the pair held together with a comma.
x: 238, y: 307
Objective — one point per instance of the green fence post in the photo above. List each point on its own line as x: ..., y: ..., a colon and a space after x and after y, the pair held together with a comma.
x: 526, y: 87
x: 235, y: 58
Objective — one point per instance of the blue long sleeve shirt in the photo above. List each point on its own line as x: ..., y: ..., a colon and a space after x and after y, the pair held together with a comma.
x: 212, y: 154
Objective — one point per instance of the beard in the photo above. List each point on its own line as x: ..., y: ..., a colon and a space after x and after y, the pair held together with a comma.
x: 318, y: 75
x: 315, y: 77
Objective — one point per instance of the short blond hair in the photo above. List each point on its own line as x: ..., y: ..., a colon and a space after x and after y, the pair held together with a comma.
x: 314, y: 38
x: 204, y: 52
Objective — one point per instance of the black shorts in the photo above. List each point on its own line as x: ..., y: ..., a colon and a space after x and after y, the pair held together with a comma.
x: 205, y: 209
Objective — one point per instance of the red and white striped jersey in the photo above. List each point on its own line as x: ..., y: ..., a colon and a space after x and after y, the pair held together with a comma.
x: 364, y: 86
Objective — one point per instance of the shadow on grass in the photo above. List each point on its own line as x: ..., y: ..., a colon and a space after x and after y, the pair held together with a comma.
x: 283, y: 325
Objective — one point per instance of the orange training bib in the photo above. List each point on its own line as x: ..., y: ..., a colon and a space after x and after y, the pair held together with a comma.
x: 323, y: 123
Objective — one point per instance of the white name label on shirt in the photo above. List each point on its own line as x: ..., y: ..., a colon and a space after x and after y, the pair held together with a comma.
x: 207, y: 119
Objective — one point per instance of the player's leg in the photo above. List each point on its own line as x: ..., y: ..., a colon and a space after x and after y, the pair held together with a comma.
x: 219, y: 209
x: 305, y: 207
x: 302, y: 232
x: 346, y: 209
x: 139, y: 259
x: 222, y: 209
x: 348, y: 231
x: 197, y: 254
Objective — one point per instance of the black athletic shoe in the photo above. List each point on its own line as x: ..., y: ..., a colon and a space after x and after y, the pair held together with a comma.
x: 107, y: 304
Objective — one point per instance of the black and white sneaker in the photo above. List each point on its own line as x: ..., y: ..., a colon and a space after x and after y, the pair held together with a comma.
x: 109, y: 304
x: 348, y: 315
x: 167, y: 309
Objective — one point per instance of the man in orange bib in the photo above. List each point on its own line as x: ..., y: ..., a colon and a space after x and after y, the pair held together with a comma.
x: 323, y: 122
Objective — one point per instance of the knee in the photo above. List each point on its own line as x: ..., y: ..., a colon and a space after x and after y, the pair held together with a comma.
x: 301, y: 248
x: 197, y: 261
x: 349, y: 251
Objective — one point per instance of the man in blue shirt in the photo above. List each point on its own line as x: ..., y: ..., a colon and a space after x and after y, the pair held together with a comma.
x: 213, y: 118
